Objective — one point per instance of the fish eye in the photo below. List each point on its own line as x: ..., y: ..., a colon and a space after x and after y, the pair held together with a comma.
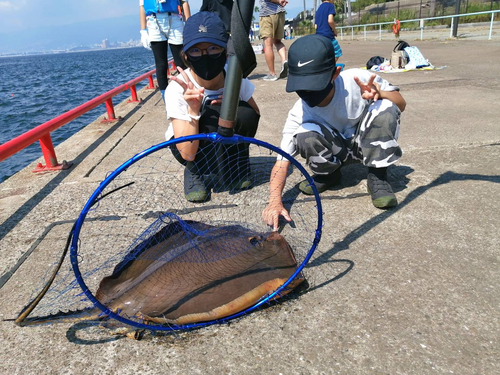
x: 255, y: 241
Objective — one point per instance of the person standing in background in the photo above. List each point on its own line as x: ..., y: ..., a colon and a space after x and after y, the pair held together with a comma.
x: 162, y: 23
x: 271, y: 25
x: 222, y: 8
x: 325, y: 25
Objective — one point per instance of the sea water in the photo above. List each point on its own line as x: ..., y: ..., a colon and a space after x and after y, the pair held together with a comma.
x: 35, y: 89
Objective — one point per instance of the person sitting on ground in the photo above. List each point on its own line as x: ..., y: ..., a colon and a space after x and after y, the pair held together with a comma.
x: 340, y: 118
x: 325, y: 25
x: 193, y: 101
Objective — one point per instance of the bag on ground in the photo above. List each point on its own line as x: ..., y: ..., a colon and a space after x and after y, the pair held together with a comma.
x: 375, y: 60
x: 399, y: 57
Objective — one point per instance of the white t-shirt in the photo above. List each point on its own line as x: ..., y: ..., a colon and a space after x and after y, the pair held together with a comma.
x: 343, y: 113
x: 177, y: 107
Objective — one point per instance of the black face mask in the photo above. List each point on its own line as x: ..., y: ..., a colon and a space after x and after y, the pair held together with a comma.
x: 313, y: 98
x: 208, y: 67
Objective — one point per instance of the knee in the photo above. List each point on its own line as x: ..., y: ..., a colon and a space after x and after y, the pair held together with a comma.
x: 385, y: 117
x: 385, y: 111
x: 248, y: 120
x: 310, y: 144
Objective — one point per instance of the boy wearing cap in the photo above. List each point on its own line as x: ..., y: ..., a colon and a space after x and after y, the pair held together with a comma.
x: 193, y: 100
x: 340, y: 118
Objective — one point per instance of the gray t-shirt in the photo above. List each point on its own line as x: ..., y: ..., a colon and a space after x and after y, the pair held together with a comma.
x: 343, y: 113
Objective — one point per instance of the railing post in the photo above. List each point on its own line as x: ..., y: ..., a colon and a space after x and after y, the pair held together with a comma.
x: 171, y: 67
x: 49, y: 154
x: 133, y: 92
x: 379, y: 32
x: 151, y: 83
x: 364, y: 32
x: 111, y: 111
x: 48, y: 151
x: 491, y: 25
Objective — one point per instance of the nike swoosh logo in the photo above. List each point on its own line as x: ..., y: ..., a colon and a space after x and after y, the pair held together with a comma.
x: 300, y: 65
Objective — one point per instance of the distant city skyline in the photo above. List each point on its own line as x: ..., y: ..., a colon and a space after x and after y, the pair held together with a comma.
x: 42, y: 26
x: 20, y: 15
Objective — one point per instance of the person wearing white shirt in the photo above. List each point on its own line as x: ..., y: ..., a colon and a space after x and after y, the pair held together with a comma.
x: 193, y: 100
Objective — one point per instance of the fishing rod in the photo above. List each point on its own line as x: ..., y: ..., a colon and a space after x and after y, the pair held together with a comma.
x: 240, y: 64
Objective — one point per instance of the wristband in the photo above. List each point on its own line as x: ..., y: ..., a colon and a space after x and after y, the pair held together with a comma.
x: 194, y: 117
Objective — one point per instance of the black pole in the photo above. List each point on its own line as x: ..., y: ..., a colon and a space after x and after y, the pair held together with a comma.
x: 233, y: 160
x: 241, y: 19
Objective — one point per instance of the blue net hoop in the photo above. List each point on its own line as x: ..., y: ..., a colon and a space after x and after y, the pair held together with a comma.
x: 215, y: 138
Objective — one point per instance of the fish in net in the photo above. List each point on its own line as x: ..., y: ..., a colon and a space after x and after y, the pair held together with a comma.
x: 143, y: 255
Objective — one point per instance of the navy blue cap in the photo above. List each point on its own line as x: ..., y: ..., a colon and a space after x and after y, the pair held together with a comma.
x: 311, y: 63
x: 204, y: 27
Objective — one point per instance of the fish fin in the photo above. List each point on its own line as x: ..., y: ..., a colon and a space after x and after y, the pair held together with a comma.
x: 239, y: 304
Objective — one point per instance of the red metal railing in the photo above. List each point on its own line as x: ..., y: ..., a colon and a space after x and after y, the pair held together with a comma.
x: 42, y: 132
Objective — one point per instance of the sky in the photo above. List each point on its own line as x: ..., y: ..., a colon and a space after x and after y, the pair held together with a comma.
x: 21, y: 15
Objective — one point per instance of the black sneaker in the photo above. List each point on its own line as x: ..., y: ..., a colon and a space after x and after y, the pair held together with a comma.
x: 381, y: 191
x: 194, y: 187
x: 322, y: 182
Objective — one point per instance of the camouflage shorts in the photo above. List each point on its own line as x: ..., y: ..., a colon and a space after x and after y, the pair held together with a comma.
x: 374, y: 144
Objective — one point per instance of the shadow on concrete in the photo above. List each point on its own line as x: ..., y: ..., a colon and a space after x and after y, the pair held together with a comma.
x: 445, y: 178
x: 60, y: 176
x: 256, y: 77
x: 352, y: 175
x: 72, y: 335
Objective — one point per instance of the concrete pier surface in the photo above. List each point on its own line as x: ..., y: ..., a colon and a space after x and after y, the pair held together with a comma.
x: 412, y: 290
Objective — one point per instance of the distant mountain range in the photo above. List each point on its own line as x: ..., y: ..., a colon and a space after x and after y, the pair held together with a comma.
x: 87, y: 33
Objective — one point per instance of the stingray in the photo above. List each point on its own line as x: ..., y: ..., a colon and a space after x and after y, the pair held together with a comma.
x: 189, y: 273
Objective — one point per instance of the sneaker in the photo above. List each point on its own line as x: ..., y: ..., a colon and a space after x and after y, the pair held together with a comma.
x: 322, y: 182
x: 243, y: 184
x: 194, y: 187
x: 270, y: 77
x: 381, y: 192
x: 284, y: 70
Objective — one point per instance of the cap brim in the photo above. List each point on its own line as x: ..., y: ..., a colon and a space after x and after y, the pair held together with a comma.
x: 310, y: 82
x: 217, y: 42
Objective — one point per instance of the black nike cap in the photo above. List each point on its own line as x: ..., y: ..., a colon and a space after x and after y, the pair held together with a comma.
x: 311, y: 63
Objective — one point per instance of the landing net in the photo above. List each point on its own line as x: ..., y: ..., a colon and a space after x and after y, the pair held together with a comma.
x: 138, y: 238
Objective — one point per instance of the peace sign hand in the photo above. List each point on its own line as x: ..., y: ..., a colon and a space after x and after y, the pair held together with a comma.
x: 369, y: 90
x: 192, y: 95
